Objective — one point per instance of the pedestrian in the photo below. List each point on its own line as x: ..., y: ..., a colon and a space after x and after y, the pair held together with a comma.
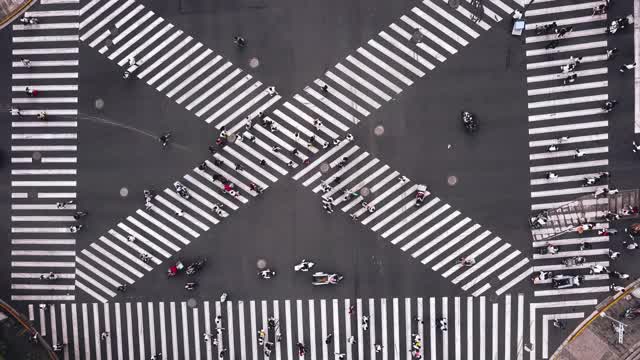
x: 553, y: 148
x: 25, y: 62
x: 552, y: 44
x: 291, y: 164
x: 609, y: 105
x: 207, y: 336
x: 133, y: 62
x: 613, y: 255
x: 607, y: 232
x: 351, y: 340
x: 377, y: 347
x: 131, y: 238
x: 625, y: 67
x: 615, y: 288
x: 551, y: 175
x: 164, y: 138
x: 578, y: 154
x: 122, y: 288
x: 31, y: 92
x: 14, y: 111
x: 328, y: 339
x: 42, y: 115
x: 104, y: 335
x: 239, y: 41
x: 318, y: 124
x: 611, y: 53
x: 218, y: 320
x: 294, y: 152
x: 239, y: 167
x: 271, y: 90
x: 365, y: 323
x: 275, y: 149
x: 75, y: 228
x: 558, y: 324
x: 570, y: 79
x: 325, y: 88
x: 126, y: 74
x: 180, y: 213
x: 263, y: 162
x: 223, y: 352
x: 58, y: 347
x: 341, y: 355
x: 248, y: 124
x: 442, y: 322
x: 564, y: 31
x: 80, y: 214
x: 157, y: 356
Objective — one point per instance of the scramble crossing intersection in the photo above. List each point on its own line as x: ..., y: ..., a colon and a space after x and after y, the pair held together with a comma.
x: 329, y: 136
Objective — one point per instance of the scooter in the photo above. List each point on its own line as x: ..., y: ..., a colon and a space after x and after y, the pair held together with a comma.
x: 195, y: 267
x: 304, y: 265
x: 267, y: 274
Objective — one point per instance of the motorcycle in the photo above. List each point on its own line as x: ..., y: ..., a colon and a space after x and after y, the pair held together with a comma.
x: 469, y: 121
x: 267, y: 274
x: 574, y: 261
x: 195, y: 267
x: 421, y: 192
x: 181, y: 190
x: 304, y: 265
x: 191, y: 286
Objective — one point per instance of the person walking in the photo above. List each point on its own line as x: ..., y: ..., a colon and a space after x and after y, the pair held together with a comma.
x: 626, y: 67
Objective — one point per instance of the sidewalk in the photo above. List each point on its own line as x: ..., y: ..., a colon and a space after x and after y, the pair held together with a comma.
x: 596, y: 339
x: 15, y: 332
x: 10, y: 9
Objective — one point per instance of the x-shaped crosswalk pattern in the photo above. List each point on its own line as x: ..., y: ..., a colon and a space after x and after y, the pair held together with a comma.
x: 306, y: 134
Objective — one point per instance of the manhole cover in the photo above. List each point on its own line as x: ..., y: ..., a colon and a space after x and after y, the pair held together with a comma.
x: 378, y: 130
x: 417, y: 36
x: 192, y: 303
x: 454, y: 3
x: 99, y: 104
x: 324, y: 167
x: 254, y: 63
x: 452, y: 180
x: 36, y: 156
x: 232, y: 138
x: 261, y: 264
x: 365, y: 192
x: 124, y: 192
x: 108, y: 43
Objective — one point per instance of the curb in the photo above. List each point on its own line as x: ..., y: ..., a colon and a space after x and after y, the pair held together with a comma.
x: 15, y: 13
x: 603, y: 306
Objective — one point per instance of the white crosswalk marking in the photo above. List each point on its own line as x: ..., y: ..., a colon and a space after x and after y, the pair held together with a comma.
x: 571, y: 118
x: 51, y: 70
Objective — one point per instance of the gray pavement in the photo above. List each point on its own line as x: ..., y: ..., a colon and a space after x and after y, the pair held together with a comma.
x: 118, y: 150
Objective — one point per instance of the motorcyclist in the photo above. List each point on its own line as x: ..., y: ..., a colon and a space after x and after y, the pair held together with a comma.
x: 191, y: 285
x: 267, y: 274
x: 304, y: 265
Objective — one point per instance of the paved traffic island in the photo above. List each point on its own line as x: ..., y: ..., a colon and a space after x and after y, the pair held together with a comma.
x: 598, y: 337
x: 11, y: 9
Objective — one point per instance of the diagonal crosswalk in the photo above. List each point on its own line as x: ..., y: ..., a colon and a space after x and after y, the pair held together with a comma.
x: 271, y: 142
x: 433, y: 233
x: 477, y: 328
x: 43, y: 152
